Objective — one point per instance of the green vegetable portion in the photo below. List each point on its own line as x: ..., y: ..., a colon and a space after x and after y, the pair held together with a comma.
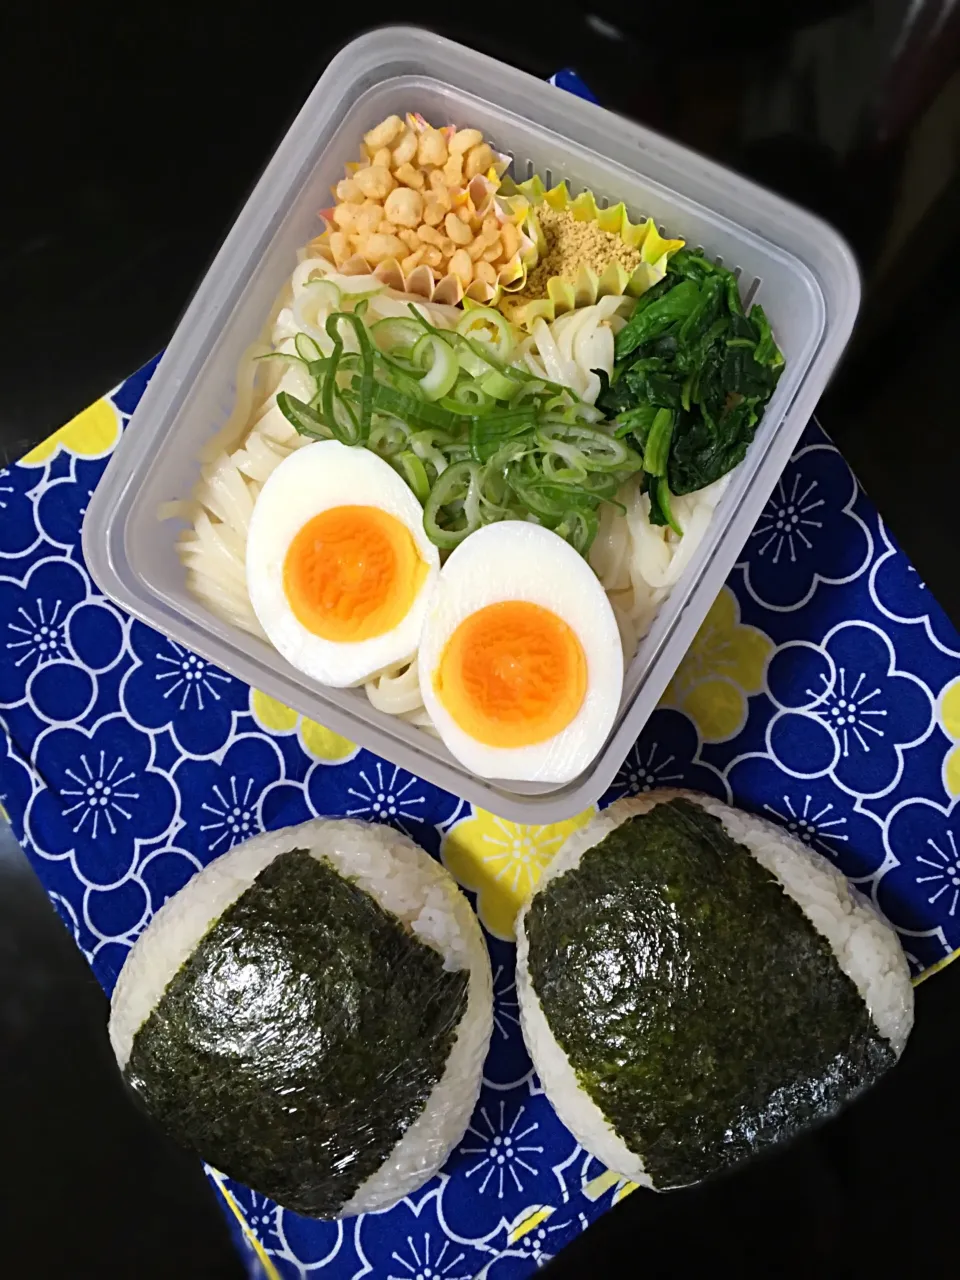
x: 476, y: 438
x: 692, y: 376
x: 302, y: 1037
x: 700, y: 1009
x: 689, y: 349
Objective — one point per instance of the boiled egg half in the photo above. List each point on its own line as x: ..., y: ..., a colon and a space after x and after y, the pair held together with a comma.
x: 521, y: 666
x: 339, y: 569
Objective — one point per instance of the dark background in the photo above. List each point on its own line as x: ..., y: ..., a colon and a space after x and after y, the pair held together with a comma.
x: 130, y: 136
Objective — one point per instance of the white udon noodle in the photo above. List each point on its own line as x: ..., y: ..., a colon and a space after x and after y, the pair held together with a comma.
x: 638, y: 563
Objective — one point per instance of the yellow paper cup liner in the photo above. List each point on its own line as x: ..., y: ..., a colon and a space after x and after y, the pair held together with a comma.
x: 565, y: 292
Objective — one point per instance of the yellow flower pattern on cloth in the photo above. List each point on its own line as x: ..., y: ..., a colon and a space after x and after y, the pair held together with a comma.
x: 502, y: 861
x: 603, y: 1182
x: 723, y: 667
x: 950, y: 720
x: 318, y: 741
x: 91, y: 434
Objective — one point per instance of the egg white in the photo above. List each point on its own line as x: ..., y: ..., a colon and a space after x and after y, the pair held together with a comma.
x: 514, y: 560
x: 311, y: 480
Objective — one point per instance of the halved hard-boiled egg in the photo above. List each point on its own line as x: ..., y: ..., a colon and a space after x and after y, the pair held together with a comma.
x: 339, y: 568
x: 521, y: 666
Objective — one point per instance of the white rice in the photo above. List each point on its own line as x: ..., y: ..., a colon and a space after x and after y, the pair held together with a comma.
x: 405, y: 881
x: 866, y: 948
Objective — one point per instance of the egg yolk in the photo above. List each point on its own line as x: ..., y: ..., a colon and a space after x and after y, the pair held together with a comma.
x: 512, y: 674
x: 352, y: 573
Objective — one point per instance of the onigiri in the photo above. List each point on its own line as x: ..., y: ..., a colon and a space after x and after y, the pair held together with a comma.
x: 696, y: 985
x: 310, y: 1014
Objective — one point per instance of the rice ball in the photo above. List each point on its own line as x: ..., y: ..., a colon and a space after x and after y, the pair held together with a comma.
x: 310, y: 1014
x: 695, y: 985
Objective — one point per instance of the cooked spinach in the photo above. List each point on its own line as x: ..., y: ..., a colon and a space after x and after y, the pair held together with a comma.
x: 690, y: 349
x: 701, y: 1010
x: 301, y: 1038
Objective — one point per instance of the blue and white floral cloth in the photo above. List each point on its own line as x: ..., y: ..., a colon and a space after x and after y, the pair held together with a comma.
x: 822, y: 691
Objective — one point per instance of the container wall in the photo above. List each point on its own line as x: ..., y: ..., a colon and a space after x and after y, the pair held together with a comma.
x: 546, y: 131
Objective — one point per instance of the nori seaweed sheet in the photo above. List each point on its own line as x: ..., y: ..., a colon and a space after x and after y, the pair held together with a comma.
x: 301, y: 1038
x: 700, y: 1009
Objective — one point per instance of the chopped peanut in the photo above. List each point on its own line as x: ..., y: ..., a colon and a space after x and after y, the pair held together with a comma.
x: 384, y: 133
x: 432, y: 148
x: 479, y: 159
x: 348, y: 191
x: 409, y: 176
x: 345, y: 216
x: 511, y: 239
x: 339, y: 247
x: 405, y: 149
x: 433, y: 212
x: 457, y: 230
x: 407, y: 199
x: 376, y: 182
x: 368, y: 219
x: 377, y: 248
x: 463, y: 140
x: 461, y: 266
x: 404, y: 206
x: 453, y: 171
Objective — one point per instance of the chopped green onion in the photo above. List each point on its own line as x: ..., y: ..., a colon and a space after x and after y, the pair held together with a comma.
x: 336, y: 412
x: 396, y: 332
x: 487, y: 357
x: 528, y: 393
x: 479, y: 320
x: 597, y: 449
x: 306, y: 420
x: 451, y: 488
x: 440, y: 362
x: 387, y: 437
x: 499, y: 386
x: 470, y: 396
x: 324, y: 294
x: 355, y: 322
x: 307, y: 348
x: 413, y: 410
x: 579, y: 527
x: 413, y: 471
x: 429, y: 446
x: 488, y: 434
x: 475, y: 439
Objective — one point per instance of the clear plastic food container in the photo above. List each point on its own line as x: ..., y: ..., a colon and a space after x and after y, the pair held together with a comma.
x: 800, y: 267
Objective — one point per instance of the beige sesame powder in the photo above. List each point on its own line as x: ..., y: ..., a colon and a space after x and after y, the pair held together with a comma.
x: 571, y: 243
